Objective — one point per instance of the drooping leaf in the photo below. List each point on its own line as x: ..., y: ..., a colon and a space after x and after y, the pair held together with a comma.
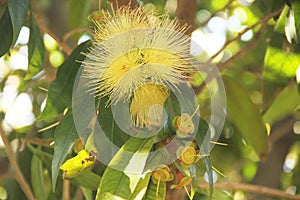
x: 6, y: 33
x: 64, y: 138
x: 37, y: 178
x: 18, y: 12
x: 279, y: 68
x: 86, y: 179
x: 60, y: 91
x: 156, y: 192
x: 201, y: 135
x: 123, y: 173
x: 284, y: 104
x: 36, y: 50
x: 246, y: 116
x: 210, y: 174
x: 141, y: 188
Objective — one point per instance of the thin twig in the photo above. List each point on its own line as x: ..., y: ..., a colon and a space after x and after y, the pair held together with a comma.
x: 7, y: 175
x: 65, y: 48
x: 244, y: 50
x: 252, y: 188
x: 74, y: 31
x: 263, y: 22
x: 66, y: 190
x: 38, y: 141
x: 19, y: 176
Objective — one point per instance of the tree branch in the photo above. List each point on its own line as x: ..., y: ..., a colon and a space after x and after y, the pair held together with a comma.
x: 186, y: 13
x: 263, y: 22
x: 254, y: 189
x: 66, y: 190
x: 19, y: 176
x: 74, y: 31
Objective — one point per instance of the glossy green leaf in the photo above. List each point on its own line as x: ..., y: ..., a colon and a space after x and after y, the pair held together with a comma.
x: 87, y: 179
x: 156, y: 192
x: 87, y: 193
x: 115, y: 183
x: 210, y: 174
x: 284, y: 104
x: 6, y: 33
x: 246, y: 116
x: 106, y: 120
x: 141, y: 188
x: 201, y: 135
x: 60, y: 91
x: 296, y: 10
x: 279, y: 68
x: 18, y: 12
x: 37, y: 178
x: 280, y: 24
x: 36, y: 50
x: 64, y: 138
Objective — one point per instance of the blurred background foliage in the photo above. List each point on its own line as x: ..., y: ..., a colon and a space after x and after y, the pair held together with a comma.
x: 255, y: 45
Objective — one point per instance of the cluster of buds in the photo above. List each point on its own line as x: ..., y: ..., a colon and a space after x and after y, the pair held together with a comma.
x: 184, y: 125
x: 162, y: 174
x: 187, y: 154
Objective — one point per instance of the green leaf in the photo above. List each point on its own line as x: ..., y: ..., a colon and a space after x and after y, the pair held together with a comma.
x: 156, y: 192
x: 37, y: 178
x: 87, y: 179
x: 279, y: 68
x: 201, y: 135
x: 87, y: 193
x: 106, y: 120
x: 246, y: 116
x: 210, y: 174
x: 78, y: 13
x: 284, y: 104
x: 64, y: 138
x: 45, y: 157
x: 115, y: 183
x: 60, y: 91
x: 141, y: 188
x: 6, y: 33
x: 18, y: 12
x: 36, y: 50
x: 280, y: 24
x: 296, y: 10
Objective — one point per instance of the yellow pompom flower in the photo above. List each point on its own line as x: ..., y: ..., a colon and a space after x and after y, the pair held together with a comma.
x: 137, y: 57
